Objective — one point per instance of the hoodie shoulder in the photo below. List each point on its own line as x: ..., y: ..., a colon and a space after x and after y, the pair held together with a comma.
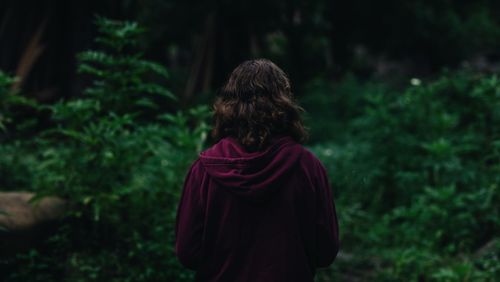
x: 311, y: 163
x: 309, y: 158
x: 197, y: 167
x: 196, y: 171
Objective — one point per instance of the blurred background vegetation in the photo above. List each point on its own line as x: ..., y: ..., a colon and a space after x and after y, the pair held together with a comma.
x: 107, y: 112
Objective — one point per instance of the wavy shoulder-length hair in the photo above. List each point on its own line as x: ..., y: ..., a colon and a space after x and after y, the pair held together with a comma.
x: 257, y: 104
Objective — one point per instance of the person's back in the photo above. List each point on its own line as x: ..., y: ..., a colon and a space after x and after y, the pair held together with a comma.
x: 256, y: 206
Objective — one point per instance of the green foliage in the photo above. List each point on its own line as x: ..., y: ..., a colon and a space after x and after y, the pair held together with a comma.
x: 329, y: 107
x: 5, y: 98
x: 14, y: 122
x: 119, y: 159
x: 125, y: 74
x: 416, y: 177
x: 10, y: 105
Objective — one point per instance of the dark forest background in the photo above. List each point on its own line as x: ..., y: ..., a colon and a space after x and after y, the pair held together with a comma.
x: 104, y: 105
x: 202, y: 41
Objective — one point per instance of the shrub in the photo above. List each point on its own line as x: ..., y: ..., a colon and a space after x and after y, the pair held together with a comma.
x: 416, y: 178
x: 118, y: 156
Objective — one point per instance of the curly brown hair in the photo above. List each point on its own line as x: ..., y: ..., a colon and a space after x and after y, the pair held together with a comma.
x: 257, y: 104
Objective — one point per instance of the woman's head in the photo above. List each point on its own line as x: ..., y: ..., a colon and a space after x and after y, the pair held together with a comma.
x: 256, y: 104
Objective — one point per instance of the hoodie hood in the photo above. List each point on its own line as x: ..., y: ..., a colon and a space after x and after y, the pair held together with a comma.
x: 251, y: 174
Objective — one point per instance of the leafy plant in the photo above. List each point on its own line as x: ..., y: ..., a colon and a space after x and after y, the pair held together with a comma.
x: 118, y: 156
x: 416, y: 175
x: 11, y: 105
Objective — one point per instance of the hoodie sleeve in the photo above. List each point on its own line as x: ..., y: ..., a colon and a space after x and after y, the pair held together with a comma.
x: 189, y: 220
x: 327, y: 228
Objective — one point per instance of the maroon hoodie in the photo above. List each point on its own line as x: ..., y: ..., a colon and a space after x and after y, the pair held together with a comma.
x: 256, y: 216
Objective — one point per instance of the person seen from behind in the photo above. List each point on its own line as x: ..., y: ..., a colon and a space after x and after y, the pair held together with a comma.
x: 257, y: 205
